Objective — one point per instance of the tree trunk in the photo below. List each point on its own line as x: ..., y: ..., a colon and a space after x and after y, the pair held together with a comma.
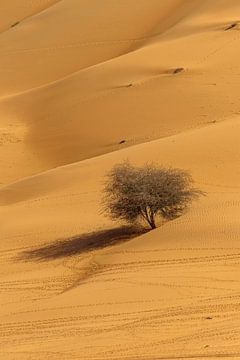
x: 152, y: 220
x: 149, y: 217
x: 152, y: 224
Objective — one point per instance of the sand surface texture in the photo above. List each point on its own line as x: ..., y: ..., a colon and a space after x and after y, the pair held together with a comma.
x: 77, y: 78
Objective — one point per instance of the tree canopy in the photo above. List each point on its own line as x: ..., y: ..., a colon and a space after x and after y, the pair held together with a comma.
x: 132, y: 193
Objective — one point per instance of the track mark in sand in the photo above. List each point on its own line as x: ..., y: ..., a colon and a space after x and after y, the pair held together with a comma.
x: 175, y: 357
x: 82, y: 274
x: 180, y: 261
x: 173, y: 249
x: 90, y: 305
x: 56, y: 327
x: 47, y: 354
x: 201, y: 356
x: 200, y: 335
x: 44, y: 286
x: 38, y: 286
x: 92, y: 323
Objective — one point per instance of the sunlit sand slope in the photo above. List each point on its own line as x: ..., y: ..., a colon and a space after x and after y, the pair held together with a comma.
x: 172, y: 293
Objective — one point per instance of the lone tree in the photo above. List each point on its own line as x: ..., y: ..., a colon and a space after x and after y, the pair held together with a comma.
x: 132, y: 193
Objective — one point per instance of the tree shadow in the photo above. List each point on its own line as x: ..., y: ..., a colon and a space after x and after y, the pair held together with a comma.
x: 83, y: 243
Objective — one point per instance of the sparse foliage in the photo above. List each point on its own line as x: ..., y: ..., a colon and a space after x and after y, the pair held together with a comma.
x: 132, y: 193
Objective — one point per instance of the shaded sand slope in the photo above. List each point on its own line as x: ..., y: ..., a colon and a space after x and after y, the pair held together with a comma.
x: 172, y: 293
x: 79, y: 110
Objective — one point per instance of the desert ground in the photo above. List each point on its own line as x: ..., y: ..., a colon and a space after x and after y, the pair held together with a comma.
x: 86, y: 84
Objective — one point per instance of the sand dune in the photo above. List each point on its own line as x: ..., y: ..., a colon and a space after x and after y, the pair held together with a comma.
x: 126, y: 91
x: 77, y: 78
